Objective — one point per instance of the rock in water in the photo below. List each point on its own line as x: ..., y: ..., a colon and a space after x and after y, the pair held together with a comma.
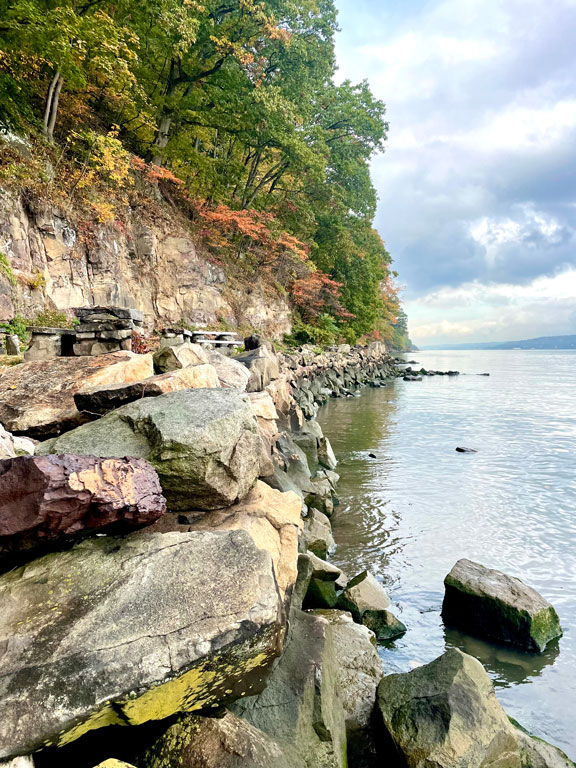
x: 446, y: 715
x: 38, y: 397
x: 367, y: 601
x: 202, y: 442
x: 490, y: 604
x: 460, y: 449
x: 46, y: 497
x: 123, y: 631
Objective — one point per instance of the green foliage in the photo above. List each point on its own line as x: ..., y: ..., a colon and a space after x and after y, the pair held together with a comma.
x: 18, y: 326
x: 6, y: 269
x: 324, y: 332
x: 52, y: 318
x: 238, y: 102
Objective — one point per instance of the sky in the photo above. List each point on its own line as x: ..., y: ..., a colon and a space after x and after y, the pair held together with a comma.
x: 477, y: 187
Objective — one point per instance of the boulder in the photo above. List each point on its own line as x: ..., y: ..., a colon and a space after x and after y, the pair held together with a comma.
x: 47, y: 497
x: 536, y: 753
x: 217, y: 742
x: 300, y: 707
x: 367, y: 601
x: 446, y: 715
x: 358, y: 673
x: 273, y: 520
x: 124, y: 631
x: 263, y: 367
x: 11, y: 445
x: 202, y: 442
x: 230, y: 372
x: 37, y: 398
x: 318, y: 534
x: 101, y: 400
x: 322, y: 570
x: 490, y: 604
x: 267, y: 420
x: 179, y: 356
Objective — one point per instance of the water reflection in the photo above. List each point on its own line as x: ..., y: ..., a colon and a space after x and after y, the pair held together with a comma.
x: 416, y: 508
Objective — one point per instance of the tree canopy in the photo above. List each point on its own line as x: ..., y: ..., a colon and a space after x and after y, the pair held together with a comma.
x: 234, y: 102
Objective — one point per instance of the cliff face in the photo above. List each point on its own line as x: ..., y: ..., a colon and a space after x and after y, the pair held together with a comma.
x: 149, y: 265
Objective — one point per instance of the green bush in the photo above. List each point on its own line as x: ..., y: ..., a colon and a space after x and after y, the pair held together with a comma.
x: 18, y: 326
x: 323, y: 334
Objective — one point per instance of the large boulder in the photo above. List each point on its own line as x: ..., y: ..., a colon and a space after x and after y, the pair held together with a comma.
x: 358, y: 673
x: 100, y: 400
x: 37, y: 398
x: 47, y: 497
x: 180, y: 356
x: 203, y: 443
x: 123, y: 631
x: 273, y: 520
x: 263, y: 367
x: 300, y: 707
x: 490, y: 604
x: 318, y: 534
x: 231, y: 373
x: 446, y: 715
x: 217, y: 742
x: 267, y: 420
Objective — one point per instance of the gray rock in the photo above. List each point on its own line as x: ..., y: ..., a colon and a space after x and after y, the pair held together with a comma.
x: 446, y: 715
x: 384, y: 624
x: 301, y: 708
x: 490, y: 604
x: 322, y: 570
x: 263, y: 367
x: 363, y: 593
x: 179, y: 356
x: 536, y: 753
x: 12, y: 344
x: 123, y: 631
x: 318, y: 534
x: 227, y: 741
x: 230, y: 372
x: 203, y: 443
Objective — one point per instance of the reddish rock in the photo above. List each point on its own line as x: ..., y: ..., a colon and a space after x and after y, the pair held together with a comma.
x: 44, y: 497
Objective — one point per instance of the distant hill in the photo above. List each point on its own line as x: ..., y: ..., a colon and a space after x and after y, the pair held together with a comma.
x: 543, y: 342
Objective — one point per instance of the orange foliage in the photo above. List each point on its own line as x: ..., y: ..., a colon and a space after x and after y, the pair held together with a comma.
x: 316, y: 293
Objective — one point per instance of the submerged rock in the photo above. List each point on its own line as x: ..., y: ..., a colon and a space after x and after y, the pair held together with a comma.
x: 101, y: 400
x: 460, y: 449
x: 37, y: 398
x: 47, y: 497
x: 203, y: 443
x: 123, y: 631
x: 495, y: 606
x: 446, y: 715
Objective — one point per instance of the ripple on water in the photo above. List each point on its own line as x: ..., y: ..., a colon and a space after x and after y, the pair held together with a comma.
x: 419, y: 506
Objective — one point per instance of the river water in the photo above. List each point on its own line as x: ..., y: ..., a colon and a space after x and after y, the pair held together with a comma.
x: 410, y: 513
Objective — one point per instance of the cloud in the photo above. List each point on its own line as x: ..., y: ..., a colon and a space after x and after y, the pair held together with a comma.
x: 478, y: 184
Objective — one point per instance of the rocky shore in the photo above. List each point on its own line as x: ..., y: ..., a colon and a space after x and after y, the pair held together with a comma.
x: 166, y: 595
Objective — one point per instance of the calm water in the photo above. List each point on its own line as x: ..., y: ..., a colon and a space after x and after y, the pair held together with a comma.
x: 409, y: 514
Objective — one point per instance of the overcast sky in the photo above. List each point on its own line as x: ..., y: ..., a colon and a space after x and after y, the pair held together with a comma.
x: 477, y: 187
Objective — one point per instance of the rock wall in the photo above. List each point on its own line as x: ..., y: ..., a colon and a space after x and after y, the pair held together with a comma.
x: 149, y: 265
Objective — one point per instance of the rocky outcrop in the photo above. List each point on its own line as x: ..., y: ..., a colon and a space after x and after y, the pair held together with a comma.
x: 97, y: 401
x: 226, y: 741
x: 47, y: 497
x: 202, y: 442
x: 300, y: 707
x: 37, y: 398
x: 446, y: 715
x: 491, y: 604
x: 180, y: 356
x: 152, y: 265
x: 123, y: 631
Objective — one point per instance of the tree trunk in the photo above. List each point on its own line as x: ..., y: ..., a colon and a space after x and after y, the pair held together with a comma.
x: 161, y: 139
x: 51, y: 109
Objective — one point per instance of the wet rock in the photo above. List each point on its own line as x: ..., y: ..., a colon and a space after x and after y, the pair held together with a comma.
x: 466, y: 450
x: 358, y: 673
x: 37, y: 398
x: 301, y: 707
x: 101, y: 400
x: 273, y: 521
x: 123, y: 631
x: 412, y: 378
x: 227, y: 741
x: 536, y: 753
x: 495, y: 606
x: 383, y: 623
x: 446, y: 715
x: 367, y: 601
x: 203, y: 443
x: 48, y: 497
x: 230, y: 372
x: 180, y: 356
x: 372, y: 456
